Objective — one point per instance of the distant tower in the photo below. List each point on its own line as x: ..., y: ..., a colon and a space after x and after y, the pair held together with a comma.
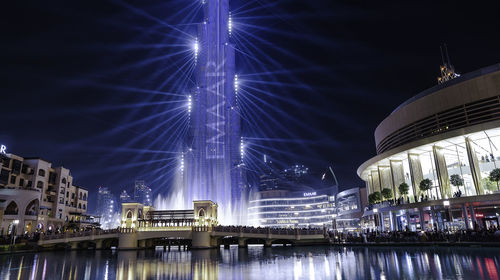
x: 142, y: 193
x: 447, y: 70
x: 214, y: 169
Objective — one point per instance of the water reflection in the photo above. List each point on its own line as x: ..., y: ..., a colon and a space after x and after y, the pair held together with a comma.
x: 258, y: 263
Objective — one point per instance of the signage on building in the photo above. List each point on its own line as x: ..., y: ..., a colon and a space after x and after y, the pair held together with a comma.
x: 309, y: 193
x: 3, y: 149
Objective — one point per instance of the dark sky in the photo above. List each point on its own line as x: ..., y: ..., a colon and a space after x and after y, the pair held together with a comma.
x: 69, y: 89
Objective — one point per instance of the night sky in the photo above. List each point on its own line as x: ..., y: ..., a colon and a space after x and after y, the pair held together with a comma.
x: 68, y: 87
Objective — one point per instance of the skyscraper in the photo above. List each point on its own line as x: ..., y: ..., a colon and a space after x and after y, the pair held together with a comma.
x: 106, y: 207
x: 142, y: 193
x: 213, y: 149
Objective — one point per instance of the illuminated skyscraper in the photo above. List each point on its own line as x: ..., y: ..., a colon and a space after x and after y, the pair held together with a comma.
x: 213, y: 151
x: 142, y: 193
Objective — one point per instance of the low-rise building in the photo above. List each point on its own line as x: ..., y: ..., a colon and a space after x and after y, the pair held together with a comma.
x: 34, y: 196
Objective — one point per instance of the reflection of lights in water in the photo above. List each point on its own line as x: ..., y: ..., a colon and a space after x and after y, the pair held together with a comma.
x: 437, y: 261
x: 311, y: 267
x: 106, y: 270
x: 44, y: 268
x: 338, y: 273
x: 35, y: 267
x: 297, y: 267
x: 327, y: 267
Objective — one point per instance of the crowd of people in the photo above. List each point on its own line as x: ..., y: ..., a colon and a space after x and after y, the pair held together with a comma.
x: 477, y: 235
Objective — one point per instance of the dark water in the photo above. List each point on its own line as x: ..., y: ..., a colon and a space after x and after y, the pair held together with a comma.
x: 259, y: 263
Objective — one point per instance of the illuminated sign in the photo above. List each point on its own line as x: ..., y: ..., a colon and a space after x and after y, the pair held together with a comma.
x: 309, y: 193
x: 3, y: 149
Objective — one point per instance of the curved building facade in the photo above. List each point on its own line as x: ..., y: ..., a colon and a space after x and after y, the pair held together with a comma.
x: 283, y: 208
x: 450, y: 135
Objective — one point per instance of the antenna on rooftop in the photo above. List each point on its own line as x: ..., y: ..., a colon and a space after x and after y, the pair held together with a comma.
x: 447, y: 70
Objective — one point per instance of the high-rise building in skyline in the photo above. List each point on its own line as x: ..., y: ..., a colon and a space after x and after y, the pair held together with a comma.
x: 214, y: 148
x: 125, y: 197
x: 142, y: 193
x: 106, y: 207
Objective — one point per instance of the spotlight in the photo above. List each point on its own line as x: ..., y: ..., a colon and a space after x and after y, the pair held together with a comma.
x: 230, y: 24
x: 196, y: 48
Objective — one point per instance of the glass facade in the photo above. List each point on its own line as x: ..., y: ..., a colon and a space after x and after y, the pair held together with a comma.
x: 458, y: 166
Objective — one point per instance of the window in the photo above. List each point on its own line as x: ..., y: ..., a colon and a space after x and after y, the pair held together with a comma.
x: 21, y: 182
x: 79, y: 206
x: 11, y: 209
x: 52, y: 178
x: 64, y: 180
x: 80, y: 196
x: 72, y: 195
x: 16, y: 166
x: 39, y: 184
x: 13, y: 179
x: 4, y: 176
x: 83, y: 206
x: 32, y: 208
x: 129, y: 215
x: 84, y: 196
x: 67, y: 194
x: 41, y: 172
x: 29, y: 184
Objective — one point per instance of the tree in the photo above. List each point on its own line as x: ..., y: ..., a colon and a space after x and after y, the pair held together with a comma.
x: 387, y: 193
x: 495, y: 175
x: 377, y: 197
x: 404, y: 188
x: 456, y: 180
x: 425, y: 185
x: 371, y: 199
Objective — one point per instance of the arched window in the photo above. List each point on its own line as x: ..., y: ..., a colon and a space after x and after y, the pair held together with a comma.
x: 39, y: 184
x: 129, y: 214
x: 11, y: 209
x: 80, y: 197
x: 83, y: 206
x: 64, y: 180
x: 84, y: 196
x: 41, y: 172
x: 79, y: 206
x: 201, y: 213
x: 32, y: 208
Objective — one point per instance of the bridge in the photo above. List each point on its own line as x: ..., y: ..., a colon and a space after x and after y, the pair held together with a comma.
x: 143, y: 227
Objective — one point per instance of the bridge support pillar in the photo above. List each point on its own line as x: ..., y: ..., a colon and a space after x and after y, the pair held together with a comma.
x: 268, y: 243
x: 74, y: 245
x: 242, y: 243
x: 127, y: 241
x: 201, y: 240
x: 142, y: 244
x: 98, y: 244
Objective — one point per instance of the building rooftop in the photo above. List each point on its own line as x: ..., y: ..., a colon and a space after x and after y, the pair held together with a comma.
x: 462, y: 78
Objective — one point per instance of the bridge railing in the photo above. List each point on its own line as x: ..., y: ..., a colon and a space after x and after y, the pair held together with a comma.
x: 275, y: 231
x: 79, y: 234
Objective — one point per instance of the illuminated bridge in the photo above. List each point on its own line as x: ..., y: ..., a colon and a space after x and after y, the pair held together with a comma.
x: 143, y: 227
